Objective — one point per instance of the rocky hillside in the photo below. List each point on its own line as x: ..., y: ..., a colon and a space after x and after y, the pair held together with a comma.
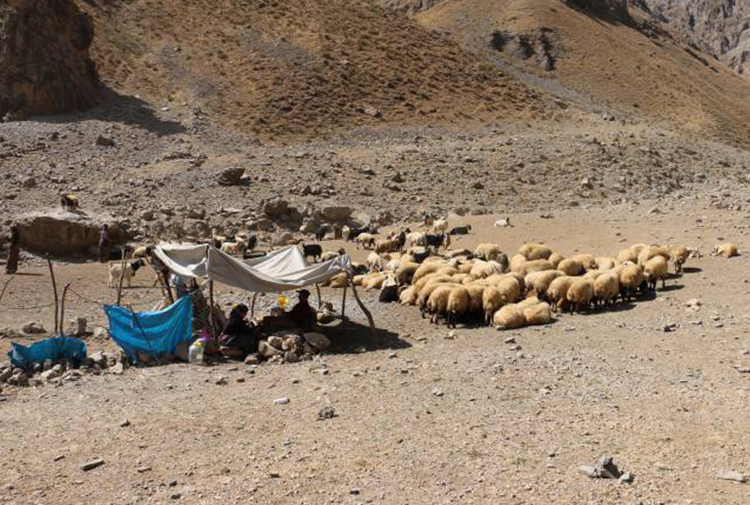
x: 621, y: 64
x: 283, y: 68
x: 721, y: 27
x: 44, y: 61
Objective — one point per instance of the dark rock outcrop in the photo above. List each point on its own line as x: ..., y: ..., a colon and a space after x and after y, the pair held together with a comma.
x: 44, y: 58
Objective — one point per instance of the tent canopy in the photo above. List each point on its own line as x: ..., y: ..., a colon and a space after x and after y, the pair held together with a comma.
x: 282, y: 270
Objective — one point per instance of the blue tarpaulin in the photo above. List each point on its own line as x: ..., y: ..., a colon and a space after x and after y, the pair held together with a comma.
x: 51, y: 348
x: 152, y: 333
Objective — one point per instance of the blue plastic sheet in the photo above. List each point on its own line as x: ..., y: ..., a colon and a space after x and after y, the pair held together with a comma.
x: 152, y: 333
x: 51, y: 348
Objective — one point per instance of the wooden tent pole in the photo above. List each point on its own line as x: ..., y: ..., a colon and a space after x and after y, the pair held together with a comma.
x: 164, y: 279
x: 62, y: 306
x: 122, y: 277
x: 320, y: 300
x: 252, y: 306
x: 367, y: 313
x: 211, y: 307
x: 343, y: 303
x: 54, y: 290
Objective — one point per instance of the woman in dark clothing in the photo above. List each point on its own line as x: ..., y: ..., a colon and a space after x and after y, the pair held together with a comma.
x: 302, y: 314
x: 105, y: 245
x: 14, y: 250
x: 238, y: 338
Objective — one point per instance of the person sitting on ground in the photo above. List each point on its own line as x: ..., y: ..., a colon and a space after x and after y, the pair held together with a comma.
x: 238, y: 338
x: 302, y: 314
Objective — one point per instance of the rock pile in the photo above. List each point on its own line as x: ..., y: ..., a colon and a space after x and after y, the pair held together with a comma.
x: 289, y: 348
x: 62, y: 371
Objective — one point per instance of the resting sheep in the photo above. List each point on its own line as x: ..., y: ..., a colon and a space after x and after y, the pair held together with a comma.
x: 728, y: 250
x: 535, y: 252
x: 460, y: 230
x: 534, y: 266
x: 508, y: 318
x: 408, y: 296
x: 329, y: 255
x: 483, y: 269
x: 488, y: 252
x: 537, y: 314
x: 405, y: 272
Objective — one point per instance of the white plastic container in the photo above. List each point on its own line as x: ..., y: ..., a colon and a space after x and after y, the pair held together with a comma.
x: 195, y: 354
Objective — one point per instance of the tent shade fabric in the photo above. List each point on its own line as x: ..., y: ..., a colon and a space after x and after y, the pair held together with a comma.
x: 282, y: 270
x: 152, y: 333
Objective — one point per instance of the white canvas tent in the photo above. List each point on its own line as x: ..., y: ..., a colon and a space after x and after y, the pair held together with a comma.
x: 282, y: 270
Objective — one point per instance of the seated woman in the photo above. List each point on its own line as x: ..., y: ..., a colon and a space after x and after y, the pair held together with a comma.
x: 238, y: 338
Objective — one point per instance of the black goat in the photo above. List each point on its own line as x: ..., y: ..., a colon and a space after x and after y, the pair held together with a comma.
x: 437, y: 241
x: 354, y: 233
x: 117, y: 253
x: 313, y: 250
x: 460, y: 230
x: 320, y: 233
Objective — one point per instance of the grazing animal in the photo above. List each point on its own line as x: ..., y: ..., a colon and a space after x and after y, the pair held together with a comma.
x: 69, y: 201
x: 440, y: 226
x: 116, y: 271
x: 329, y: 255
x: 460, y: 230
x: 438, y: 241
x: 535, y: 252
x: 580, y: 294
x: 366, y: 240
x: 320, y: 233
x: 234, y: 248
x: 312, y: 250
x: 678, y: 254
x: 655, y: 269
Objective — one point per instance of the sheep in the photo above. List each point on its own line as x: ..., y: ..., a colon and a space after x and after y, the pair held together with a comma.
x: 426, y: 268
x: 476, y: 297
x: 571, y: 267
x: 537, y: 314
x: 655, y: 269
x: 143, y: 251
x: 464, y: 268
x: 627, y: 255
x: 358, y: 268
x: 388, y: 290
x: 458, y: 304
x: 539, y: 282
x: 420, y: 253
x: 605, y: 263
x: 503, y: 223
x: 555, y: 259
x: 528, y: 302
x: 647, y: 253
x: 510, y: 289
x: 312, y: 250
x: 508, y: 318
x: 491, y: 302
x: 587, y: 260
x: 366, y: 240
x: 408, y: 296
x: 440, y: 226
x: 416, y: 238
x: 517, y: 262
x: 630, y: 277
x: 728, y: 250
x: 392, y: 244
x: 557, y: 293
x: 373, y: 280
x: 580, y: 294
x: 520, y: 279
x: 69, y: 201
x: 437, y: 303
x: 356, y: 280
x: 535, y: 252
x: 482, y: 269
x: 376, y: 262
x: 534, y: 266
x: 338, y: 281
x: 459, y: 253
x: 606, y: 289
x: 405, y: 272
x: 488, y: 252
x: 330, y: 255
x: 679, y: 255
x: 116, y: 272
x: 637, y: 248
x: 234, y: 248
x: 352, y: 233
x: 460, y: 230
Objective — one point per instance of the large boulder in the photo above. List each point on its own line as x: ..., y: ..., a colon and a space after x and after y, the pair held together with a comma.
x: 60, y: 233
x: 44, y: 58
x: 335, y: 212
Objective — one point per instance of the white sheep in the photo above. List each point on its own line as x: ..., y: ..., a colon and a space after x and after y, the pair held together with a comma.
x: 535, y: 252
x: 416, y: 239
x: 571, y: 266
x: 492, y: 300
x: 458, y: 304
x: 605, y: 263
x: 376, y: 262
x: 508, y: 318
x: 587, y: 260
x: 366, y: 240
x: 557, y: 292
x: 655, y: 269
x: 517, y: 262
x: 678, y: 254
x: 534, y: 266
x: 727, y: 250
x: 631, y: 278
x: 408, y: 296
x: 488, y: 252
x: 482, y: 269
x: 440, y: 226
x: 580, y: 294
x: 437, y: 303
x: 405, y: 272
x: 537, y: 314
x: 116, y: 272
x: 606, y: 289
x: 234, y: 248
x: 539, y: 282
x: 555, y: 259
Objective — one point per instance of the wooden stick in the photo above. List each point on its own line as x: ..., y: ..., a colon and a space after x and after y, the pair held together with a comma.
x: 122, y: 277
x: 252, y: 306
x: 320, y: 300
x: 343, y: 303
x: 6, y: 286
x: 54, y: 290
x: 367, y: 313
x: 211, y: 307
x: 165, y: 280
x: 62, y: 307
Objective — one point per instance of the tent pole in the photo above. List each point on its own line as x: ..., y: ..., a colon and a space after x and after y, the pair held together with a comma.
x: 320, y: 300
x: 343, y: 303
x: 62, y: 307
x: 122, y: 277
x: 367, y: 313
x: 165, y: 282
x: 54, y: 289
x: 252, y: 306
x: 211, y: 307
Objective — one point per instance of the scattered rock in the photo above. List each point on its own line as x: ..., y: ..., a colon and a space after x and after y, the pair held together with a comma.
x: 104, y: 141
x: 326, y: 413
x: 605, y: 468
x: 221, y: 381
x: 252, y: 359
x: 231, y: 176
x: 317, y: 340
x: 338, y: 213
x: 124, y: 423
x: 281, y: 401
x: 33, y: 328
x: 730, y: 475
x: 90, y: 465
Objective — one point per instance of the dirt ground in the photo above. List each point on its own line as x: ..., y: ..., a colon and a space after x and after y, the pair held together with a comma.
x: 433, y: 418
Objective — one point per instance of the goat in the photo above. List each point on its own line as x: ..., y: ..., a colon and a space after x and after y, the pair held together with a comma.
x: 438, y: 241
x: 116, y: 271
x: 313, y: 250
x: 69, y: 201
x: 460, y: 230
x: 320, y: 233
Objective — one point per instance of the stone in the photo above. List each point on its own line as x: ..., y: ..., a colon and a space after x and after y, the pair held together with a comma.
x: 49, y: 375
x: 221, y: 381
x: 117, y: 369
x: 437, y: 392
x: 33, y: 328
x: 586, y: 183
x: 730, y: 475
x: 326, y: 413
x: 317, y: 340
x: 354, y: 491
x: 275, y: 207
x: 281, y: 401
x: 101, y: 333
x: 588, y: 471
x: 372, y: 111
x: 77, y: 326
x: 28, y: 183
x: 335, y: 212
x: 285, y: 238
x: 625, y: 478
x: 268, y: 351
x: 276, y: 342
x: 60, y: 233
x: 124, y: 423
x: 252, y: 359
x: 6, y: 374
x: 231, y: 176
x: 90, y: 465
x: 477, y: 185
x: 105, y: 141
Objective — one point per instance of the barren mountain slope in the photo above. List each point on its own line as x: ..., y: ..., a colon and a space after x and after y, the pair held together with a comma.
x: 721, y: 27
x: 287, y: 67
x: 629, y: 67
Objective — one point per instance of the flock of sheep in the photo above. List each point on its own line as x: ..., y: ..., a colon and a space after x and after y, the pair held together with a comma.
x: 486, y: 286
